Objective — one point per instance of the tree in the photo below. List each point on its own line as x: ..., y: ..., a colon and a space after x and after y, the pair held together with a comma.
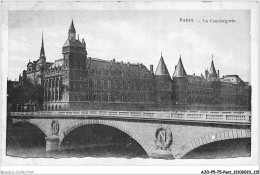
x: 27, y: 93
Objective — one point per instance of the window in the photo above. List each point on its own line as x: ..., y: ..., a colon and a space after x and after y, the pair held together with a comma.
x: 136, y: 86
x: 124, y: 86
x: 109, y: 84
x: 95, y: 96
x: 129, y: 85
x: 88, y: 95
x: 95, y: 82
x: 88, y: 84
x: 109, y: 96
x: 122, y: 97
x: 80, y: 86
x: 116, y: 97
x: 102, y: 96
x: 117, y: 84
x: 102, y: 83
x: 129, y: 97
x: 141, y: 86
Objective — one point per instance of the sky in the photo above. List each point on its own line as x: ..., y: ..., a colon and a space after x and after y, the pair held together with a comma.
x: 136, y: 36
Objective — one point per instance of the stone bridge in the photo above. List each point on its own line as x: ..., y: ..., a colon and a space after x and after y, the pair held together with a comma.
x: 160, y: 134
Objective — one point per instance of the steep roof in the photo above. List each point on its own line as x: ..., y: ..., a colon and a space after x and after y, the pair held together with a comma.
x: 75, y: 43
x: 161, y: 68
x: 179, y: 70
x: 212, y: 72
x: 42, y: 53
x: 72, y: 28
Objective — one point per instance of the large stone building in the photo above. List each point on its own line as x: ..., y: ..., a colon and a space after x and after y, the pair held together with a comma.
x: 79, y: 82
x: 210, y: 92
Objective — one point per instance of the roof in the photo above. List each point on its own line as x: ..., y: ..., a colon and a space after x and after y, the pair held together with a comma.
x: 179, y: 70
x: 75, y: 43
x: 57, y: 63
x: 236, y: 76
x: 161, y: 68
x: 72, y: 28
x: 42, y: 53
x: 235, y: 79
x: 212, y: 72
x: 100, y: 64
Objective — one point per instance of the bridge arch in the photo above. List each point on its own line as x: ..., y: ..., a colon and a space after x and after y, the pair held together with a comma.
x: 200, y: 141
x: 113, y: 124
x: 33, y: 123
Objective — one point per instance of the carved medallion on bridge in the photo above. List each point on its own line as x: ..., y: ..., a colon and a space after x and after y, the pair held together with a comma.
x: 163, y: 138
x: 55, y: 127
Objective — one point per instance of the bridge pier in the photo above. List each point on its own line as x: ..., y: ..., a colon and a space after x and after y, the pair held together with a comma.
x: 161, y: 154
x: 52, y: 143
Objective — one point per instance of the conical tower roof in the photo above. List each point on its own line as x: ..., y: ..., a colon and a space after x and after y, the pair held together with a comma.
x: 212, y: 72
x: 179, y: 70
x: 72, y: 28
x: 42, y: 48
x: 161, y: 68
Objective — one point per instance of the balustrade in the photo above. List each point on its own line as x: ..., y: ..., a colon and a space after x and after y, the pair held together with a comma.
x: 203, y: 117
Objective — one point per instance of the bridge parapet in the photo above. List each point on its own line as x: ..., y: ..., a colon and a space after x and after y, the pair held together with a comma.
x: 192, y: 116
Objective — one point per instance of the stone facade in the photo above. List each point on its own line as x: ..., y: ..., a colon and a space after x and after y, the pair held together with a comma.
x: 210, y: 92
x: 79, y: 82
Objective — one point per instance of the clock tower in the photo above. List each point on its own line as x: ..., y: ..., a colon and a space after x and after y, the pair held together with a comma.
x: 74, y: 65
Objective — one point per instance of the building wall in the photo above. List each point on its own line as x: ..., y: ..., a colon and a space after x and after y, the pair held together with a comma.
x: 195, y: 93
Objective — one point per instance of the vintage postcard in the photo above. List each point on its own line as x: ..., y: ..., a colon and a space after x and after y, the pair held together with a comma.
x: 130, y: 83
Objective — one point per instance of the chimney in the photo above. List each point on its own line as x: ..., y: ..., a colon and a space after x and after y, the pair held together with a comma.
x: 89, y: 61
x: 151, y: 69
x: 218, y: 74
x: 128, y: 64
x: 206, y: 74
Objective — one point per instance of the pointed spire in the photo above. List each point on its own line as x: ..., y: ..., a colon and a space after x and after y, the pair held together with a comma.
x: 72, y: 28
x: 179, y: 70
x: 161, y: 68
x: 42, y: 47
x: 72, y: 31
x: 212, y: 71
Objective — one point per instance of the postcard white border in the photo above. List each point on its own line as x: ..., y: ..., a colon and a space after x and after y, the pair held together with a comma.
x: 70, y: 5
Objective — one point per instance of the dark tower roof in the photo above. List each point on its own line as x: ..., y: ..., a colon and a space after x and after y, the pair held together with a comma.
x: 42, y: 48
x: 179, y: 70
x: 72, y: 28
x: 161, y: 68
x: 212, y: 72
x: 72, y: 32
